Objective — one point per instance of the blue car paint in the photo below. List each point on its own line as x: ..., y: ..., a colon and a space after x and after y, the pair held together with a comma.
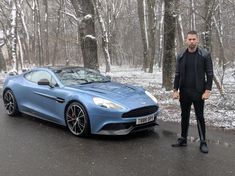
x: 40, y: 101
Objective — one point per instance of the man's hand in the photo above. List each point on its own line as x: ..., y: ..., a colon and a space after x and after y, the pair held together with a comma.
x: 176, y: 94
x: 206, y: 94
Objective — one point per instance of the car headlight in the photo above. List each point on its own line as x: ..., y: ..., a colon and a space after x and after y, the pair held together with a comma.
x: 151, y: 96
x: 106, y: 103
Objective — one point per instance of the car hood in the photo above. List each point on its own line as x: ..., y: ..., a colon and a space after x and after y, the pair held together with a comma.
x: 112, y: 89
x: 128, y: 95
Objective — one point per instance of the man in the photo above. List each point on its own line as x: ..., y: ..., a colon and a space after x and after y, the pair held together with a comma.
x: 192, y: 85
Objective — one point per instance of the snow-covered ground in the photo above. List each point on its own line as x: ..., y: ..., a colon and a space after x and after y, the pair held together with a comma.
x: 219, y: 111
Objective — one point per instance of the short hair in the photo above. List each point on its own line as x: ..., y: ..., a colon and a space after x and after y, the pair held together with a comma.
x: 192, y: 33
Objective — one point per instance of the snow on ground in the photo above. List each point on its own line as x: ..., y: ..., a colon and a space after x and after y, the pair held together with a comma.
x: 219, y: 111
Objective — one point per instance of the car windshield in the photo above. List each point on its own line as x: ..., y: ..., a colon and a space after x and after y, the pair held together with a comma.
x: 80, y: 76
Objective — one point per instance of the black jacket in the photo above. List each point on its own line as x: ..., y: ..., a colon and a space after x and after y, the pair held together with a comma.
x: 203, y: 68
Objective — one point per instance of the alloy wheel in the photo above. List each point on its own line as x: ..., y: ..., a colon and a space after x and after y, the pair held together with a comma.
x: 10, y: 103
x: 77, y: 119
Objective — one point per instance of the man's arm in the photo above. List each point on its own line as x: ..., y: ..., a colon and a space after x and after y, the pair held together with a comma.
x: 177, y: 75
x: 209, y: 77
x: 176, y: 81
x: 209, y: 73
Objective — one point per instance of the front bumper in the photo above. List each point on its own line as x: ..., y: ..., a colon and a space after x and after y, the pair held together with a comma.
x: 126, y: 128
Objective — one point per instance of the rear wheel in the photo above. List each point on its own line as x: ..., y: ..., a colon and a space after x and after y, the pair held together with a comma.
x: 10, y: 103
x: 77, y: 119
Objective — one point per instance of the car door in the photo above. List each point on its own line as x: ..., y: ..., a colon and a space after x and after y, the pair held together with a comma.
x: 44, y: 101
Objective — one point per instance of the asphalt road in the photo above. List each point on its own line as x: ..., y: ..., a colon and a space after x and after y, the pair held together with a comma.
x: 32, y: 147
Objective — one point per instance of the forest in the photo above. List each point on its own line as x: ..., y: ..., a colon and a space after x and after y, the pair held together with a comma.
x: 140, y: 33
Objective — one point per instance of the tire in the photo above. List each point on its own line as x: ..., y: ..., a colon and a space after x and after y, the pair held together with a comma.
x: 77, y: 119
x: 10, y: 103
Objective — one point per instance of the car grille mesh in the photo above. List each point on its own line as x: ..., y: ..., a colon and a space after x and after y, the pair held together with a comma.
x: 141, y: 112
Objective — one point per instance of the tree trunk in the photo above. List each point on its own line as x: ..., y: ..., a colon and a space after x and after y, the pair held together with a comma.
x: 66, y: 56
x: 180, y: 30
x: 169, y: 45
x: 209, y: 10
x: 152, y: 28
x: 87, y: 32
x: 2, y: 60
x: 143, y: 28
x: 14, y: 35
x: 25, y: 42
x: 46, y: 33
x: 39, y: 35
x: 208, y: 25
x: 34, y: 38
x: 161, y: 34
x: 105, y: 39
x: 192, y: 16
x: 21, y: 53
x: 54, y: 60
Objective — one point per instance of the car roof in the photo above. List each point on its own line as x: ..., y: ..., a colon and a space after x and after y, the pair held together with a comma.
x: 57, y: 69
x: 62, y: 67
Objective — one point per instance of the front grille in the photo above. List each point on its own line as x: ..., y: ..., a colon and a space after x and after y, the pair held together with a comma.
x: 141, y: 112
x: 117, y: 126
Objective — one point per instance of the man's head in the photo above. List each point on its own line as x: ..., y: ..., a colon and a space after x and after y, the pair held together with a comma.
x: 192, y: 41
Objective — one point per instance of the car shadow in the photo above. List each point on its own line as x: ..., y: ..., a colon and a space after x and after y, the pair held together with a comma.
x: 149, y: 133
x: 132, y: 136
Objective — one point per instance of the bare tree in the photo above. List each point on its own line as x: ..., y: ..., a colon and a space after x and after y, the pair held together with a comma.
x: 85, y: 10
x: 161, y: 33
x: 169, y: 45
x: 105, y: 39
x: 33, y: 38
x: 66, y: 56
x: 13, y: 34
x: 5, y: 10
x: 192, y: 16
x: 179, y: 27
x: 207, y: 34
x: 2, y: 60
x: 144, y: 34
x: 54, y: 59
x: 46, y: 32
x: 39, y: 34
x: 152, y: 31
x: 209, y: 6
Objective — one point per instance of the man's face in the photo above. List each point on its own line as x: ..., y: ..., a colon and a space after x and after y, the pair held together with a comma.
x: 192, y: 41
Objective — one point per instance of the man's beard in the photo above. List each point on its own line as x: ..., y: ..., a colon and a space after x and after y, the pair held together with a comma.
x: 192, y: 46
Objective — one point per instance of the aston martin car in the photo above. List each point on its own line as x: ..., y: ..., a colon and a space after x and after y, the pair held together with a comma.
x: 82, y: 99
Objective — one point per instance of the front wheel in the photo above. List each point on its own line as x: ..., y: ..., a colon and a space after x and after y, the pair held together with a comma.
x: 77, y: 119
x: 10, y: 103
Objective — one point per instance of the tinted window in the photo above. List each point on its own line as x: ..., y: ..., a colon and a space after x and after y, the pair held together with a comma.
x: 35, y: 76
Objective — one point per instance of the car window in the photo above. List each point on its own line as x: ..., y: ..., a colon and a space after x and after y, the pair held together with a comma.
x: 35, y: 76
x: 80, y: 76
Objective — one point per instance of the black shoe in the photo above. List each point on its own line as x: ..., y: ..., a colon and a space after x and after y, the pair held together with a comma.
x: 203, y: 147
x: 181, y: 142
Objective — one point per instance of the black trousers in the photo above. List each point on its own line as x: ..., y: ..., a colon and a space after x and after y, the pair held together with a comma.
x: 187, y: 98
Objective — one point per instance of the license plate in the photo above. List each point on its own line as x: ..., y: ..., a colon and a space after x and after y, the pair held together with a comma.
x: 146, y: 119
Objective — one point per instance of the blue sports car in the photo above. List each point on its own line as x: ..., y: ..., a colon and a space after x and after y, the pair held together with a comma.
x: 82, y: 99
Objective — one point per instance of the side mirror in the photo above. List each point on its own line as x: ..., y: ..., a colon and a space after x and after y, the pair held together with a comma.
x: 44, y: 82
